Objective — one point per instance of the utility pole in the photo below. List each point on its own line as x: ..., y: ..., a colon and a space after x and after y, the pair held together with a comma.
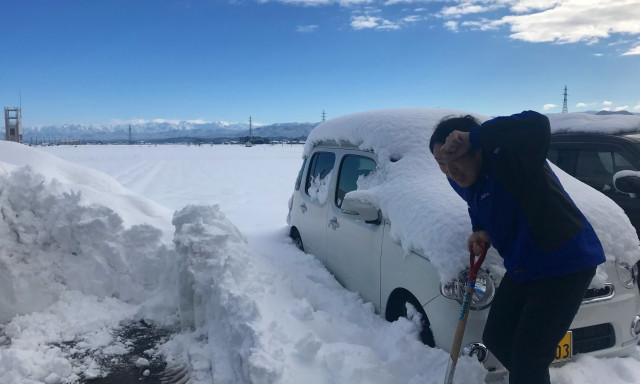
x: 130, y: 141
x: 323, y: 116
x: 564, y: 104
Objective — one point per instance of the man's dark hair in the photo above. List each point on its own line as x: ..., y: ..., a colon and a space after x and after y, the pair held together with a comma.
x: 449, y: 124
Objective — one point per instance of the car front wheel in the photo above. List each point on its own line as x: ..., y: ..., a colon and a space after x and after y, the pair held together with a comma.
x: 397, y: 307
x: 297, y: 240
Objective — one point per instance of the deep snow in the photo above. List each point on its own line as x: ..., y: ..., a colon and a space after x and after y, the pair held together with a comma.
x: 252, y: 307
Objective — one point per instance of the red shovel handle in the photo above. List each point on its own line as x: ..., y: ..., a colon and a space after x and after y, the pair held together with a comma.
x: 476, y: 264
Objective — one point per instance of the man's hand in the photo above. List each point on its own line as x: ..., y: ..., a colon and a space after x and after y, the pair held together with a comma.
x: 456, y: 145
x: 476, y: 240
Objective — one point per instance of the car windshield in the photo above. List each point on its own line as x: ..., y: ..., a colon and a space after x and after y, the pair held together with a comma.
x: 636, y: 139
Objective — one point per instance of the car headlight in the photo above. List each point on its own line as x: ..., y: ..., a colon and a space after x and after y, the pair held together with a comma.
x: 627, y: 273
x: 485, y: 289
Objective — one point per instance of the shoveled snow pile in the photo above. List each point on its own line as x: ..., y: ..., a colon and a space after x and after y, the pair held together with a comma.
x: 407, y: 172
x: 51, y: 242
x: 586, y: 122
x: 70, y: 269
x: 282, y: 318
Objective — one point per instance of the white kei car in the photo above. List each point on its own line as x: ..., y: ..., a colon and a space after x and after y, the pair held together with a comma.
x: 372, y: 204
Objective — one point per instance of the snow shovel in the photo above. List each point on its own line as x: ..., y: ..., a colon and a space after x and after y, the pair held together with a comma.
x: 469, y: 288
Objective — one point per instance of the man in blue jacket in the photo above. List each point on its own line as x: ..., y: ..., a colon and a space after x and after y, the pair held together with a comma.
x: 517, y: 204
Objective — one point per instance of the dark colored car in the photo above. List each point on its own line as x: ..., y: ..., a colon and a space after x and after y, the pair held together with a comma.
x: 595, y: 158
x: 599, y: 160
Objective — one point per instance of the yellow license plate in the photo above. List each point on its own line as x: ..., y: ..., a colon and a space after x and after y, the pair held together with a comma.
x: 564, y: 350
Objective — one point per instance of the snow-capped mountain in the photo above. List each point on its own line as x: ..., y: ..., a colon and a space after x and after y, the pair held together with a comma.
x: 162, y: 130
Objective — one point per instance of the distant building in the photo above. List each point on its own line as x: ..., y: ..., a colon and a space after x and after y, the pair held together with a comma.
x: 13, y: 124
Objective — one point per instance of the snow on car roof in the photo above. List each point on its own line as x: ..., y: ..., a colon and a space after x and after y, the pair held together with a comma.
x: 590, y: 123
x: 427, y: 216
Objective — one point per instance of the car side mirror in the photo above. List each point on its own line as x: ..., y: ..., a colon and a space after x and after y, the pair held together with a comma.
x: 627, y: 182
x: 358, y: 210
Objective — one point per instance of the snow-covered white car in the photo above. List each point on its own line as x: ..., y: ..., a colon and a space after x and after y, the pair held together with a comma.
x: 372, y: 204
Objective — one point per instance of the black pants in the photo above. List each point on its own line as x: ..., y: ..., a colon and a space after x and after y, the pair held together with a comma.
x: 527, y: 321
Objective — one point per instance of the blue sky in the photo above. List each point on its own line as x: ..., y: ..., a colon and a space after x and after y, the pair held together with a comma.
x: 96, y: 62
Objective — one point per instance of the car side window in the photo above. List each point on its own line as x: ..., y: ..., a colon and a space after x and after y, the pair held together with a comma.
x: 320, y: 167
x: 596, y: 168
x: 352, y: 168
x: 299, y: 178
x: 562, y: 158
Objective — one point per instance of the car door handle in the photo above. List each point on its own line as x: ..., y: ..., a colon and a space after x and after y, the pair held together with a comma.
x: 333, y: 223
x: 303, y: 208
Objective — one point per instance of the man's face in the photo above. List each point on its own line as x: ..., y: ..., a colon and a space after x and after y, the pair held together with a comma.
x: 464, y: 170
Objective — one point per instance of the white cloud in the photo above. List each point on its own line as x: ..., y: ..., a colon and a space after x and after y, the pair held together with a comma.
x: 626, y: 107
x: 632, y: 51
x: 569, y: 21
x: 465, y: 8
x: 306, y: 28
x: 451, y: 25
x: 316, y: 3
x: 581, y: 105
x: 369, y: 21
x: 637, y: 107
x: 372, y: 22
x: 555, y: 21
x: 394, y: 2
x: 482, y: 25
x: 607, y: 103
x: 547, y: 107
x: 412, y: 19
x: 364, y: 22
x: 606, y: 109
x: 523, y: 6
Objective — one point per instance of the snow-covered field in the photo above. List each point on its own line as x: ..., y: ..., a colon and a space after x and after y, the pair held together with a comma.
x: 195, y: 238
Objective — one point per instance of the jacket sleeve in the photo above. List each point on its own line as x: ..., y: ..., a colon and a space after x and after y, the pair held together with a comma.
x: 475, y: 223
x: 525, y: 135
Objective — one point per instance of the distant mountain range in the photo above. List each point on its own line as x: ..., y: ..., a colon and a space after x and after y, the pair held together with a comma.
x: 605, y: 112
x: 184, y: 131
x: 162, y: 131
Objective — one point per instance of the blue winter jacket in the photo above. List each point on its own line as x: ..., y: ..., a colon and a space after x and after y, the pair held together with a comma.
x: 519, y: 201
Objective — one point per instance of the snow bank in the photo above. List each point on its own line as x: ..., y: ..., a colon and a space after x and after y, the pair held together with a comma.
x: 282, y: 318
x: 95, y: 187
x: 52, y: 240
x: 586, y: 122
x: 70, y: 268
x: 426, y: 214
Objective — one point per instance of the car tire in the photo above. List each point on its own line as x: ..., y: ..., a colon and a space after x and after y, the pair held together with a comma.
x: 397, y: 307
x: 297, y: 240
